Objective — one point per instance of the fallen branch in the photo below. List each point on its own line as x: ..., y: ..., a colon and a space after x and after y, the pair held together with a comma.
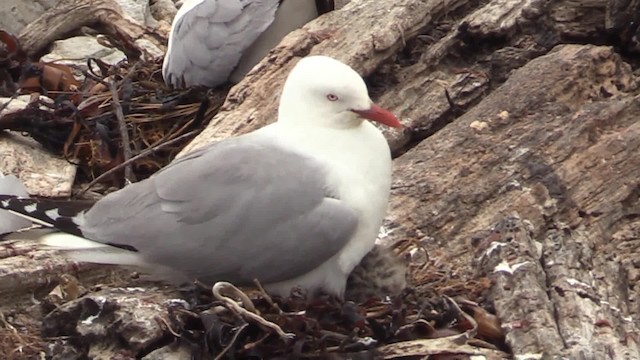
x: 124, y: 134
x: 69, y: 15
x: 233, y: 341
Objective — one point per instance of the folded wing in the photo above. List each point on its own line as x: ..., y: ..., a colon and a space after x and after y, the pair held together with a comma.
x: 235, y: 211
x: 208, y: 38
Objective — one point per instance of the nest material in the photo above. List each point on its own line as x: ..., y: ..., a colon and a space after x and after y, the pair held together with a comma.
x: 114, y: 114
x: 432, y: 316
x: 411, y: 324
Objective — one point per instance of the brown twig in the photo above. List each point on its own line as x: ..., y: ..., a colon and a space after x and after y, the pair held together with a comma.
x: 225, y: 287
x: 251, y: 345
x: 124, y: 134
x: 166, y: 324
x: 233, y: 341
x: 137, y: 157
x: 474, y: 325
x: 266, y: 296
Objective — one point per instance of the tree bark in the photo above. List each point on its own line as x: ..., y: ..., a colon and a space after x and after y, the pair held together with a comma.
x: 536, y: 187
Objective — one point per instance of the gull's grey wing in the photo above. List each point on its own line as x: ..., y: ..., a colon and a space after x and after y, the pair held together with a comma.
x: 291, y: 15
x: 238, y: 210
x: 208, y: 38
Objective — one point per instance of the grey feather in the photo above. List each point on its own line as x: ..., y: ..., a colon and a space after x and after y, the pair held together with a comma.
x: 238, y: 210
x: 208, y: 41
x: 11, y: 185
x: 291, y: 15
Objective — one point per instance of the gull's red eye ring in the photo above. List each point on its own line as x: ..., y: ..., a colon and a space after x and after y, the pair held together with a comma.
x: 332, y: 97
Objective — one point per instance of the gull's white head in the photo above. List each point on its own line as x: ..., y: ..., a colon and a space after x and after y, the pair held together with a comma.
x: 325, y: 92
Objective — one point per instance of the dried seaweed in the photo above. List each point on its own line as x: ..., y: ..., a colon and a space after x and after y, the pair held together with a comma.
x: 79, y: 119
x: 328, y: 328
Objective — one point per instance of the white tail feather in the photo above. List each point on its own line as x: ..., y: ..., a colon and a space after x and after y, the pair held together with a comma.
x: 107, y: 255
x: 64, y: 241
x: 84, y: 250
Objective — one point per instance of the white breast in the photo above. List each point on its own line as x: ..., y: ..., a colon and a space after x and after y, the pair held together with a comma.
x: 360, y: 163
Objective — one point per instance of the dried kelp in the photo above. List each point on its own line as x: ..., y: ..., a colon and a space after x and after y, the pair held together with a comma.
x: 86, y: 122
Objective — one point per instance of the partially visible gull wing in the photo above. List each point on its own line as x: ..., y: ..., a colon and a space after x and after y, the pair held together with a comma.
x: 208, y: 38
x: 291, y: 15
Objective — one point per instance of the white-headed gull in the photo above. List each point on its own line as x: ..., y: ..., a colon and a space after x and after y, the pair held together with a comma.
x: 211, y: 38
x: 295, y: 203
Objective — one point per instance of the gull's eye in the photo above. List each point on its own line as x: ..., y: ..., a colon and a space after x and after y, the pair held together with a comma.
x: 332, y: 97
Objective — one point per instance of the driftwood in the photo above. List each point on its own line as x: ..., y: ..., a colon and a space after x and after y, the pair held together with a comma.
x: 548, y: 165
x: 69, y: 15
x: 527, y: 176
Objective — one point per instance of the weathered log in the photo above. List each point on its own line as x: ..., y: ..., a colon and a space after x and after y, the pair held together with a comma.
x: 69, y: 15
x: 559, y: 157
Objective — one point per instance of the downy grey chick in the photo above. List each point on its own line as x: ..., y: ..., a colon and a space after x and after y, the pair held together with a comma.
x: 380, y: 273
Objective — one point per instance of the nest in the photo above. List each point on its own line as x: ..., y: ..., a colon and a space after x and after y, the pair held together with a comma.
x: 406, y: 325
x: 120, y: 121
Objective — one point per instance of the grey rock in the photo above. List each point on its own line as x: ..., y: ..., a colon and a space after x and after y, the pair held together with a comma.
x: 113, y: 320
x: 16, y: 14
x: 76, y: 50
x: 169, y: 353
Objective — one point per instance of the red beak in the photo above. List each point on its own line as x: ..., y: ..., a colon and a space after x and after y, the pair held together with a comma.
x: 378, y: 114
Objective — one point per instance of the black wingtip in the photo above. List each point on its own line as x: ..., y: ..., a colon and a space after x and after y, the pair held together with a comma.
x: 51, y: 213
x: 324, y: 6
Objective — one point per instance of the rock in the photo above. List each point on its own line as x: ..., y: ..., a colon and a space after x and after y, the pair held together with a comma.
x: 76, y: 50
x: 9, y: 105
x: 171, y: 352
x: 43, y: 174
x: 341, y: 3
x: 138, y: 10
x: 114, y: 321
x: 150, y: 48
x: 552, y: 177
x: 16, y: 14
x: 107, y: 15
x: 163, y: 10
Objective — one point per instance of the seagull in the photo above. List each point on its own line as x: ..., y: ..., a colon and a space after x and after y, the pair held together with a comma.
x: 214, y: 40
x: 297, y: 203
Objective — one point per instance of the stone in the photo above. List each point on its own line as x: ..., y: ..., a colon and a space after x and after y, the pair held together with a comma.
x: 16, y: 14
x: 138, y: 10
x: 76, y: 50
